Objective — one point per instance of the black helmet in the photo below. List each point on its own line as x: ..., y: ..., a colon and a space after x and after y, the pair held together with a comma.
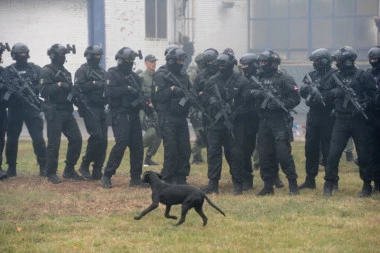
x: 56, y: 50
x: 210, y: 55
x: 272, y: 60
x: 127, y: 53
x: 374, y: 57
x: 374, y: 53
x: 175, y: 54
x: 170, y: 47
x: 19, y: 48
x: 248, y: 59
x: 92, y: 50
x: 253, y: 64
x: 344, y: 57
x: 226, y: 60
x: 321, y: 59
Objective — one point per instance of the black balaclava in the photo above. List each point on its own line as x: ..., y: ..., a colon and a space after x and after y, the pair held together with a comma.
x: 93, y: 61
x: 59, y: 60
x: 175, y: 68
x: 21, y: 60
x: 125, y: 67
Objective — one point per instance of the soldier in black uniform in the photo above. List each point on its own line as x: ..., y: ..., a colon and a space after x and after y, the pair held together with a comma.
x: 55, y: 87
x: 223, y: 97
x: 250, y: 64
x: 90, y: 77
x: 19, y: 111
x: 275, y: 133
x: 374, y: 60
x: 169, y: 83
x: 3, y: 114
x: 124, y: 92
x: 319, y: 122
x: 349, y: 121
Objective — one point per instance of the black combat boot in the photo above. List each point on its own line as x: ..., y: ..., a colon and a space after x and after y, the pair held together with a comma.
x: 43, y: 171
x: 309, y: 183
x: 3, y: 174
x: 149, y: 162
x: 267, y: 190
x: 96, y: 173
x: 248, y: 183
x: 106, y: 182
x: 278, y: 183
x: 349, y: 157
x: 293, y: 187
x: 137, y: 182
x: 328, y: 188
x: 54, y: 179
x: 84, y: 170
x: 69, y: 172
x: 197, y: 159
x: 11, y: 172
x: 212, y: 187
x: 238, y: 188
x: 366, y: 190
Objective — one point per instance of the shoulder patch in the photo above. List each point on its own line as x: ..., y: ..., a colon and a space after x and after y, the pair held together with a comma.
x: 41, y: 81
x: 155, y: 88
x: 108, y: 82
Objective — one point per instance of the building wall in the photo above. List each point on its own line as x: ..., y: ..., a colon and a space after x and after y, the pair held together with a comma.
x: 40, y: 24
x: 220, y: 28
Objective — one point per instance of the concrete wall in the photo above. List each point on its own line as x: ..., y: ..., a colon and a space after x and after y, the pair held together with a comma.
x: 40, y: 24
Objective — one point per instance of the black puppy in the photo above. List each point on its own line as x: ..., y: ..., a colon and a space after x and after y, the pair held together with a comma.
x: 169, y: 195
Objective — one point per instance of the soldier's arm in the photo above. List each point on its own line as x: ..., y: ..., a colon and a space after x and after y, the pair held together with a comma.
x: 48, y: 86
x: 113, y: 89
x: 291, y: 97
x: 163, y: 91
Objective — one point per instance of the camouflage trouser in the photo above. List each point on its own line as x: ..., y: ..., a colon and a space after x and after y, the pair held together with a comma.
x: 152, y: 138
x: 196, y: 122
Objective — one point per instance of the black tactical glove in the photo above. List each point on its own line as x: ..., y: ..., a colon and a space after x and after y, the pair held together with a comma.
x: 337, y: 93
x: 272, y: 105
x: 65, y: 86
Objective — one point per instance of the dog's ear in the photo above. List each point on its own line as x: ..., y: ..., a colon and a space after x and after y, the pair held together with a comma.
x: 145, y: 176
x: 159, y: 175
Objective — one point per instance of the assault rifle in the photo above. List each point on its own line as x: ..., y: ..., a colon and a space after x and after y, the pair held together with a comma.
x: 314, y: 93
x: 269, y: 95
x: 13, y: 87
x: 225, y: 112
x: 76, y: 93
x: 25, y: 88
x: 141, y: 99
x: 188, y: 96
x: 349, y: 96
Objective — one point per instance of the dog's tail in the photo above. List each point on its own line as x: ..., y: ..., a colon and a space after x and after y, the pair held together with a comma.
x: 213, y: 205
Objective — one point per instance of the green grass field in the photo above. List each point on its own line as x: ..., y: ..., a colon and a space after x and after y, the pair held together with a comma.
x: 36, y: 216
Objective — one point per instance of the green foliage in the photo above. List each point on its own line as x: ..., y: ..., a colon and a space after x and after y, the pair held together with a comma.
x: 36, y: 216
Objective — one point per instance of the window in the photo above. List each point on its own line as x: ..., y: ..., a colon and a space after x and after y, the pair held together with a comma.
x: 297, y: 27
x: 155, y: 19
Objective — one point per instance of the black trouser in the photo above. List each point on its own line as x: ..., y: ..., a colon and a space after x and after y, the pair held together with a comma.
x: 177, y: 150
x: 251, y: 124
x: 376, y: 150
x: 127, y: 131
x: 360, y: 131
x: 274, y: 147
x: 97, y: 142
x: 35, y: 125
x: 61, y: 121
x: 218, y: 138
x: 318, y: 136
x: 3, y: 128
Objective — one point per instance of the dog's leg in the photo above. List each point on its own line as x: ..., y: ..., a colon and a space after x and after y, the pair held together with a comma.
x: 199, y: 210
x: 147, y: 210
x: 167, y: 211
x: 185, y: 209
